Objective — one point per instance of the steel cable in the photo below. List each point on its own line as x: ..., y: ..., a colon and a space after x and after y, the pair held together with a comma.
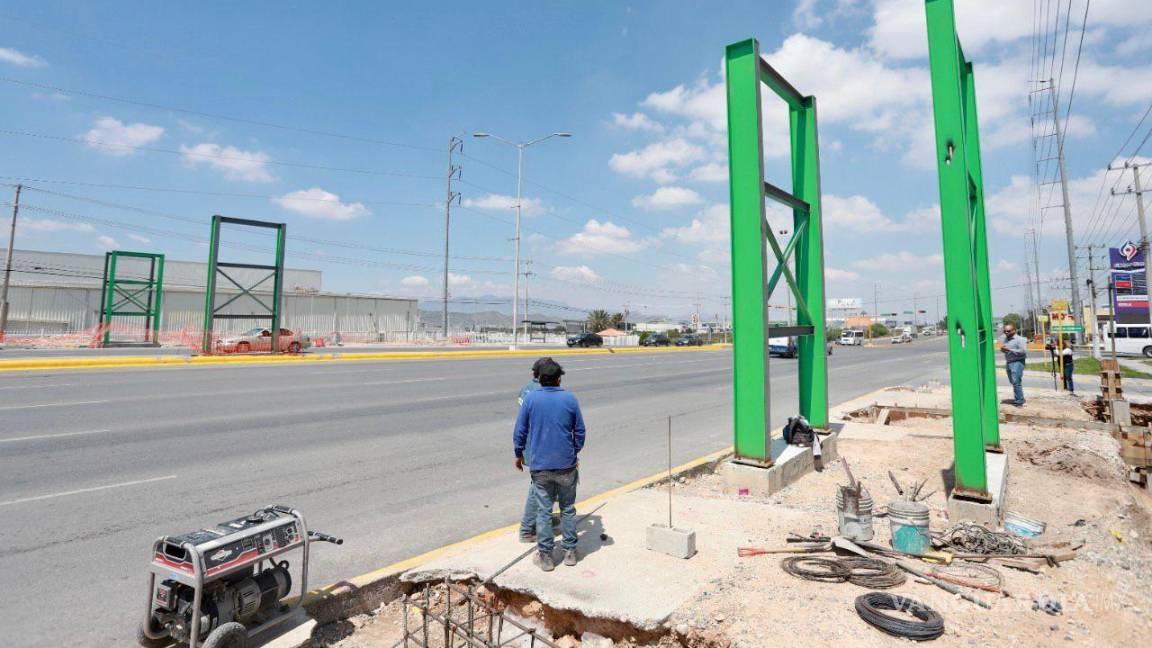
x: 824, y: 570
x: 930, y: 624
x: 872, y: 573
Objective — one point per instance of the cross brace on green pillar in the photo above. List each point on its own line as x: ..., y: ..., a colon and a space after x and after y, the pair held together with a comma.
x: 752, y: 278
x: 971, y: 343
x: 132, y: 297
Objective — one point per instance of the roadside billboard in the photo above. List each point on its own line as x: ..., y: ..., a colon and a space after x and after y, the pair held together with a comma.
x: 1130, y: 289
x: 845, y: 303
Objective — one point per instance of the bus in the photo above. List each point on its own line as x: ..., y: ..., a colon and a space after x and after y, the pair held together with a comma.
x: 1131, y: 339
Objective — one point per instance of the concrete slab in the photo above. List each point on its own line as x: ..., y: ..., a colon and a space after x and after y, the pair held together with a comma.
x: 988, y: 514
x: 619, y: 578
x: 790, y: 463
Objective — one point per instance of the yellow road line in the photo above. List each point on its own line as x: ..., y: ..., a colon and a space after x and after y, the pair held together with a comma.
x: 415, y: 561
x: 34, y: 364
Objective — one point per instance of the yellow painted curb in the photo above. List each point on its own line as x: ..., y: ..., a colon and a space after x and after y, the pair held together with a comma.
x: 364, y: 580
x: 170, y: 361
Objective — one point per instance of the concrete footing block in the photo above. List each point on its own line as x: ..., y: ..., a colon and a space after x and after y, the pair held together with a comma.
x: 678, y: 543
x: 790, y: 464
x: 988, y: 514
x: 1121, y: 412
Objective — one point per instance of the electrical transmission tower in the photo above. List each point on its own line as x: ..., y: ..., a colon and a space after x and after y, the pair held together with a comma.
x: 454, y: 143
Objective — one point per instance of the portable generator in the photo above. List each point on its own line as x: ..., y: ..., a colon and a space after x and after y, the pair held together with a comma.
x: 225, y: 582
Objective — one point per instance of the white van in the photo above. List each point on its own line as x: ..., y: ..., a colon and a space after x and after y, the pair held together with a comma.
x: 852, y: 338
x: 1131, y: 339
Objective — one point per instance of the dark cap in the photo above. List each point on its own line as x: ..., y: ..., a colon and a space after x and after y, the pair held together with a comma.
x: 550, y: 369
x: 539, y: 363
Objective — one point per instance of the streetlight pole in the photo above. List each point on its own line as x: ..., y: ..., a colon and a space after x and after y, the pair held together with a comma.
x: 520, y: 146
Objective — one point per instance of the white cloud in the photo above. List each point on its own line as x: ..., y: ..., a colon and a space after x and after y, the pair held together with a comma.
x: 637, y: 121
x: 806, y: 15
x: 581, y: 274
x: 414, y: 281
x: 710, y: 226
x: 836, y: 274
x: 859, y: 214
x: 20, y: 59
x: 317, y: 203
x: 530, y: 206
x: 668, y: 198
x: 1004, y: 265
x: 903, y: 260
x: 107, y: 242
x: 139, y: 239
x: 114, y: 137
x: 236, y: 164
x: 710, y: 172
x: 49, y: 225
x: 600, y: 238
x: 658, y: 160
x: 459, y: 279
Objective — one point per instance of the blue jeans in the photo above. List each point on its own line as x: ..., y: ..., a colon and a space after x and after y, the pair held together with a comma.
x: 1016, y: 377
x: 549, y: 487
x: 528, y: 522
x: 1068, y: 378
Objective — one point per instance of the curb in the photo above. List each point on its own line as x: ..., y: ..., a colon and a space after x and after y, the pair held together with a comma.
x: 366, y: 592
x: 174, y: 361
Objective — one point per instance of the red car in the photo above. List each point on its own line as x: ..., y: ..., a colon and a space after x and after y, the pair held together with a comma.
x: 260, y: 339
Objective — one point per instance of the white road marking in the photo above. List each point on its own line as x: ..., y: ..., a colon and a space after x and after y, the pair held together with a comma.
x: 80, y: 491
x: 37, y: 437
x: 35, y: 386
x: 71, y: 404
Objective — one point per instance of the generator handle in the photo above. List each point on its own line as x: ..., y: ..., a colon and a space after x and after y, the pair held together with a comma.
x: 316, y: 536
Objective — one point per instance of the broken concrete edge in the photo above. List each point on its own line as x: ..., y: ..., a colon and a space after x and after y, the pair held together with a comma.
x: 362, y: 594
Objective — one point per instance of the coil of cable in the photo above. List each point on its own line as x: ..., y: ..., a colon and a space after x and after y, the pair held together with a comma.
x: 825, y: 570
x: 872, y: 573
x: 871, y: 606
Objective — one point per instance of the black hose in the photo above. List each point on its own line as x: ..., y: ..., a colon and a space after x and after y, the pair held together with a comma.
x: 930, y: 625
x: 872, y: 573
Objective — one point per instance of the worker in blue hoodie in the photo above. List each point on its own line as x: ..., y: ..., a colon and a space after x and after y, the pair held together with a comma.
x: 550, y: 433
x: 528, y: 521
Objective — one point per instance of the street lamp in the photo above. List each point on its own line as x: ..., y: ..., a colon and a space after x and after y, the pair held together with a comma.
x: 520, y: 146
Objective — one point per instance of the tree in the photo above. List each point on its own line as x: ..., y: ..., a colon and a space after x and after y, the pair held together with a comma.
x: 616, y: 321
x: 598, y: 320
x: 942, y: 325
x: 1014, y: 319
x: 878, y: 330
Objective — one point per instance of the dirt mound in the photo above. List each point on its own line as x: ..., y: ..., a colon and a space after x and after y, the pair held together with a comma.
x: 1087, y: 455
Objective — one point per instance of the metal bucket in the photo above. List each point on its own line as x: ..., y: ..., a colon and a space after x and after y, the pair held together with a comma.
x: 909, y: 522
x: 854, y: 514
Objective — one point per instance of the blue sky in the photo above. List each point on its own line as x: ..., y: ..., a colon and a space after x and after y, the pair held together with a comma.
x: 631, y: 210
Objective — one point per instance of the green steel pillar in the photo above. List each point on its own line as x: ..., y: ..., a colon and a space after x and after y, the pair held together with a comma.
x: 132, y: 297
x: 109, y: 295
x: 970, y: 353
x: 157, y: 305
x: 210, y: 285
x: 811, y: 349
x: 278, y: 287
x: 749, y: 260
x: 751, y: 240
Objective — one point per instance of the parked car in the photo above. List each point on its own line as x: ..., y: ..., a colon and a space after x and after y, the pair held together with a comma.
x: 585, y: 340
x: 657, y: 339
x: 690, y: 340
x: 260, y: 339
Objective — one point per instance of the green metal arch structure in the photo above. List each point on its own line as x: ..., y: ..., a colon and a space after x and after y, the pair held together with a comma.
x: 971, y: 343
x: 139, y: 297
x: 752, y: 280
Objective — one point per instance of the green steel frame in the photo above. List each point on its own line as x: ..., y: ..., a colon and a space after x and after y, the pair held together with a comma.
x: 141, y: 297
x: 752, y: 282
x: 276, y: 274
x: 971, y: 336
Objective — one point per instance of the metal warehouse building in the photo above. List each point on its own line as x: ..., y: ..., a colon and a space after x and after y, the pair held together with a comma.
x: 55, y: 294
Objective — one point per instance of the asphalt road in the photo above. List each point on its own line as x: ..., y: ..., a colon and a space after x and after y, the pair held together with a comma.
x: 396, y: 457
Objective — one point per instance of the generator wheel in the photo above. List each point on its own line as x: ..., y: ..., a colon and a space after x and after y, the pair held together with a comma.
x: 148, y: 642
x: 229, y: 635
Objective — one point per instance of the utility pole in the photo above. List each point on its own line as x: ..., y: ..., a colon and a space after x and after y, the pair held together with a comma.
x: 1077, y: 307
x: 1036, y: 267
x: 1092, y: 296
x: 8, y: 264
x: 453, y: 173
x: 1144, y: 246
x: 527, y: 273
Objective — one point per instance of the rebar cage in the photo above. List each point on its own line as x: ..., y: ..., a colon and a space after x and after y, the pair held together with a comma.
x: 752, y: 282
x: 971, y: 343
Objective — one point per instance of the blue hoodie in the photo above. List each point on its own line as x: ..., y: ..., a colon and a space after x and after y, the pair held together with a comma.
x: 549, y: 429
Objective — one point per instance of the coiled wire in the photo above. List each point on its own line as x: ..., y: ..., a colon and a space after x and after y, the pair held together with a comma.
x: 973, y: 538
x: 825, y: 570
x: 870, y: 606
x: 872, y: 573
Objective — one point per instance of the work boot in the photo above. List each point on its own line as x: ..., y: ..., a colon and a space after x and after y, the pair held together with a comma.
x: 528, y: 538
x: 570, y: 557
x: 544, y: 561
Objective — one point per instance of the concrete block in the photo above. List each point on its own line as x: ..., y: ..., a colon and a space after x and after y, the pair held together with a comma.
x: 678, y: 543
x: 988, y: 514
x: 790, y: 464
